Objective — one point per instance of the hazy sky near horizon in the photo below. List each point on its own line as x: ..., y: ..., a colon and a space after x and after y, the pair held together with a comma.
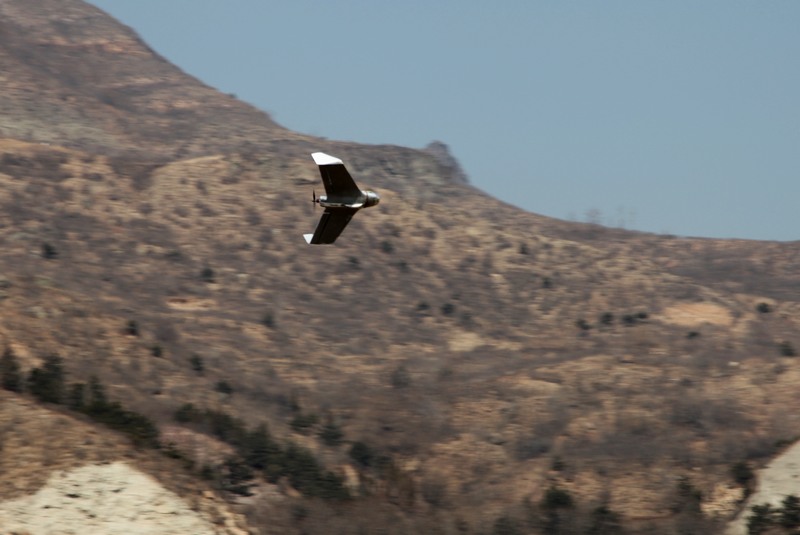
x: 677, y: 116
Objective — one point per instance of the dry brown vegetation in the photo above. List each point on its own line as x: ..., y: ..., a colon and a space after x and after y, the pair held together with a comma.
x: 482, y: 354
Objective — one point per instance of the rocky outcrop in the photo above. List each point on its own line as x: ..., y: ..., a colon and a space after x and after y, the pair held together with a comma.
x: 111, y: 499
x: 441, y: 152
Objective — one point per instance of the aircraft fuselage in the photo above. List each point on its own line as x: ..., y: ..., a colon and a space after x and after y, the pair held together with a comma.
x: 366, y: 199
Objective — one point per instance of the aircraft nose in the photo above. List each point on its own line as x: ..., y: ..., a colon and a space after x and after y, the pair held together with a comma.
x: 372, y: 198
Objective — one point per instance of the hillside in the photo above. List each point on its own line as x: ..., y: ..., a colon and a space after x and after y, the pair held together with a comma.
x: 452, y: 365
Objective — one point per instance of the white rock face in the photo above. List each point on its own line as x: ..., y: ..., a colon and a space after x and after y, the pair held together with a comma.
x: 780, y: 478
x: 106, y: 499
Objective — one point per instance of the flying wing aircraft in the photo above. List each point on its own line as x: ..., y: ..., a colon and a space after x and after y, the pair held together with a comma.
x: 341, y: 201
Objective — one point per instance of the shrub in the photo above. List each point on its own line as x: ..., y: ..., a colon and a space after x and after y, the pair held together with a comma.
x: 688, y: 497
x: 49, y: 252
x: 558, y: 464
x: 362, y: 454
x: 132, y: 328
x: 506, y: 525
x: 207, y: 275
x: 303, y: 422
x: 604, y: 520
x: 531, y: 446
x: 10, y: 375
x: 787, y: 349
x: 400, y: 377
x: 196, y: 362
x: 557, y: 498
x: 331, y: 434
x: 742, y: 473
x: 764, y: 308
x: 223, y: 387
x: 607, y: 318
x: 187, y: 413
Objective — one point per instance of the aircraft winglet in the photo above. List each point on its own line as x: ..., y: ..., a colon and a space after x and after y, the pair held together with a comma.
x: 308, y: 237
x: 320, y: 158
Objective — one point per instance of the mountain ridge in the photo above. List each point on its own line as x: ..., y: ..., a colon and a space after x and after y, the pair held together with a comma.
x: 475, y: 356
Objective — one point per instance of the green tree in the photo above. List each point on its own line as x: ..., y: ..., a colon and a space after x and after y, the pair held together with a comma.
x: 225, y: 427
x: 10, y: 375
x: 306, y: 475
x: 761, y: 519
x: 237, y: 477
x: 47, y: 383
x: 76, y: 399
x: 302, y: 423
x: 742, y: 474
x: 141, y: 430
x: 97, y: 402
x: 790, y: 512
x: 259, y: 450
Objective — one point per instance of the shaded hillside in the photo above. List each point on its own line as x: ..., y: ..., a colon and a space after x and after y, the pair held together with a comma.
x: 457, y: 365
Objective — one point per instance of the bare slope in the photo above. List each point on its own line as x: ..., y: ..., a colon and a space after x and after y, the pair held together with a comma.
x: 483, y: 355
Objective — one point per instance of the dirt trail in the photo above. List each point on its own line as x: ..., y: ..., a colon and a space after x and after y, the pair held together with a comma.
x: 778, y: 479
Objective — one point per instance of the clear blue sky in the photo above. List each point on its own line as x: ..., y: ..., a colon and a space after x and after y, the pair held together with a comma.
x: 671, y: 116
